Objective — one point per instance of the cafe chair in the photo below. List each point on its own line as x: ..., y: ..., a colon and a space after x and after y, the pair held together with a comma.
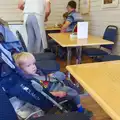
x: 109, y: 34
x: 45, y: 61
x: 38, y: 56
x: 110, y: 58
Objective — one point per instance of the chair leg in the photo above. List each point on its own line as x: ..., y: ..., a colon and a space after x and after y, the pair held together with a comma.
x: 57, y: 50
x: 98, y: 58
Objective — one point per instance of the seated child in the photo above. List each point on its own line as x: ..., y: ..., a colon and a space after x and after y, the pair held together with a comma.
x: 51, y: 42
x: 65, y: 15
x: 26, y: 62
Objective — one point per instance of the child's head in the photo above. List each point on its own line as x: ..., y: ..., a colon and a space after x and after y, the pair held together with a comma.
x: 65, y: 15
x: 26, y: 62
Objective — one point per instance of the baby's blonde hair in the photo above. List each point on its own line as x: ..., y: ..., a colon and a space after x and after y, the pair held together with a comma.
x: 21, y: 58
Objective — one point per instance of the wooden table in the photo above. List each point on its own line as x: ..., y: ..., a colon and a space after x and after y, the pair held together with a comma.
x: 65, y: 41
x: 102, y: 82
x: 53, y: 29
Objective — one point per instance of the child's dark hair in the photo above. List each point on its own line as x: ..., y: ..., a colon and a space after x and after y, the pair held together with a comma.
x: 65, y: 15
x: 72, y: 4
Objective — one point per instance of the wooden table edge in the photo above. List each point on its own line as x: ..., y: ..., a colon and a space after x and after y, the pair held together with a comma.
x: 110, y: 43
x: 93, y: 94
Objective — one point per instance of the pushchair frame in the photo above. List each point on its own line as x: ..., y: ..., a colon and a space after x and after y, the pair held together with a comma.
x: 7, y: 58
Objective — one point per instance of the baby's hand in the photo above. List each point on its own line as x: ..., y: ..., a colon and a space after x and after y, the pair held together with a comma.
x: 60, y: 94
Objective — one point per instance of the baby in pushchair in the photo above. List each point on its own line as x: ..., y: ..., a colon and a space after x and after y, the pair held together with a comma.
x: 55, y: 86
x: 23, y: 82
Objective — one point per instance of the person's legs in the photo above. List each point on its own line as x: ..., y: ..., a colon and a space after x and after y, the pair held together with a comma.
x: 70, y: 84
x: 40, y: 20
x: 72, y: 94
x: 38, y: 40
x: 62, y: 77
x: 30, y: 33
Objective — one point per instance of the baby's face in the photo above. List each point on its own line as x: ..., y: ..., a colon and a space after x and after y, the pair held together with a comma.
x: 29, y: 66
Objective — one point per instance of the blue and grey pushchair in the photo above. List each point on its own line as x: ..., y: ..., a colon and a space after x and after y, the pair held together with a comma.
x: 45, y: 61
x: 25, y: 88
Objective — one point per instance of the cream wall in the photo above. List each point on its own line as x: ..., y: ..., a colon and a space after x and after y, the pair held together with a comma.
x: 58, y: 7
x: 9, y: 10
x: 100, y: 18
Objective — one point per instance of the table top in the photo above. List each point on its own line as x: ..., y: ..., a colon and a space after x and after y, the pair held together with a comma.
x: 102, y: 81
x: 52, y: 28
x: 65, y: 41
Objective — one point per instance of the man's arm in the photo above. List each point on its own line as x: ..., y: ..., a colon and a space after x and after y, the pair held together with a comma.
x: 65, y: 26
x: 21, y: 4
x: 47, y: 9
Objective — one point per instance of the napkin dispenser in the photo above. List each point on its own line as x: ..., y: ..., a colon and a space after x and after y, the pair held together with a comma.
x: 73, y: 35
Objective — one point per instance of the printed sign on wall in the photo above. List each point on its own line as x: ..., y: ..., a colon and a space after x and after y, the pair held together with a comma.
x: 109, y: 3
x: 84, y: 6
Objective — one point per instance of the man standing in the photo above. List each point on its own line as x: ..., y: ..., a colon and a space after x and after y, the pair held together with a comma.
x: 35, y: 13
